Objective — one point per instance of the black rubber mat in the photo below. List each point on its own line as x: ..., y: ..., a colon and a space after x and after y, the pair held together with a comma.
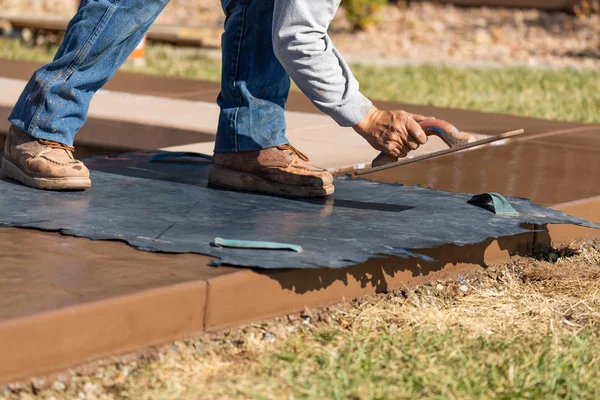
x: 166, y: 206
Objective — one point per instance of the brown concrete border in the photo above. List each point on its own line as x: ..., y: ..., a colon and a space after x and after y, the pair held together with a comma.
x: 54, y: 340
x: 251, y: 295
x: 555, y: 235
x: 73, y: 335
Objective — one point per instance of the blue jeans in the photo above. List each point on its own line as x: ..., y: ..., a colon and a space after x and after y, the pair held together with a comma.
x: 254, y: 85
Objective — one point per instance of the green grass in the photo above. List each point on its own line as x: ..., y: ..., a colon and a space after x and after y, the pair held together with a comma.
x: 163, y: 60
x: 409, y: 363
x: 565, y: 94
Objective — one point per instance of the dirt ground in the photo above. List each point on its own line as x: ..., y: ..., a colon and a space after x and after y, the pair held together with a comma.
x: 419, y: 32
x: 434, y: 33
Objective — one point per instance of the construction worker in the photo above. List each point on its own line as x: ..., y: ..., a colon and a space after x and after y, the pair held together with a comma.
x: 264, y: 44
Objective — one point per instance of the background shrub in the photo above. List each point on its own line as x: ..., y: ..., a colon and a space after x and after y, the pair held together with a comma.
x: 363, y: 13
x: 587, y: 7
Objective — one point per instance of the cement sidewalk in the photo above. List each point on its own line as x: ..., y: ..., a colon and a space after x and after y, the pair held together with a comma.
x: 177, y: 113
x: 315, y: 134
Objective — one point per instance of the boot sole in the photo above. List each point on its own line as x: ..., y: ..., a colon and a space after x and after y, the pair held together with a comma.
x: 11, y: 170
x: 228, y: 179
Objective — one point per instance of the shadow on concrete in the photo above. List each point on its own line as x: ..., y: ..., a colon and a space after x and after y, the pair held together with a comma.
x: 354, y: 204
x: 110, y: 137
x: 386, y: 273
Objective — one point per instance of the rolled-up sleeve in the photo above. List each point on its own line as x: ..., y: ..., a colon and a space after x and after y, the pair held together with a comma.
x: 303, y: 47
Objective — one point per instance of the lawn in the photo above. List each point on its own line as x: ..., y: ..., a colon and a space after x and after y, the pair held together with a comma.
x: 561, y: 94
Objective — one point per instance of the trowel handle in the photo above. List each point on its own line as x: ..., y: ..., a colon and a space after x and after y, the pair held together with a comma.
x: 444, y: 130
x: 450, y: 134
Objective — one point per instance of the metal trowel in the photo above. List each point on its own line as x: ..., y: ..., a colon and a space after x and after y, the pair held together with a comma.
x: 456, y: 140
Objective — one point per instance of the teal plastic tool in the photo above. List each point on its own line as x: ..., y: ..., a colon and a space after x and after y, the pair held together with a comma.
x: 251, y: 244
x: 494, y: 202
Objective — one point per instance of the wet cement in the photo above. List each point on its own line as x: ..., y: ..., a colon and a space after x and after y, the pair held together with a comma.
x: 46, y: 271
x: 548, y: 168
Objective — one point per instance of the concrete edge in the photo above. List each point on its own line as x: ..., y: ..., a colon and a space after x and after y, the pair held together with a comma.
x: 555, y: 235
x: 125, y: 136
x: 79, y: 334
x: 253, y: 295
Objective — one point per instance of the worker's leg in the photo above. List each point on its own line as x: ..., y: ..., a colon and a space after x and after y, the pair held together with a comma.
x: 54, y: 105
x: 251, y: 151
x: 254, y: 85
x: 98, y: 40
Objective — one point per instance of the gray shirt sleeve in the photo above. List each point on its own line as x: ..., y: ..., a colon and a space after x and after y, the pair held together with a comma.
x: 302, y: 45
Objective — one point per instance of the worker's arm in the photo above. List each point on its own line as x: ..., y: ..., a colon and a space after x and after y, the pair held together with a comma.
x: 302, y: 45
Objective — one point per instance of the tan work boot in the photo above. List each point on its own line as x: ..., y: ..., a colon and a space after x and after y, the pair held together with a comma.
x: 42, y: 164
x: 281, y: 170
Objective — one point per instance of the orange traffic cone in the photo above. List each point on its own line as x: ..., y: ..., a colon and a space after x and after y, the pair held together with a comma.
x: 138, y: 56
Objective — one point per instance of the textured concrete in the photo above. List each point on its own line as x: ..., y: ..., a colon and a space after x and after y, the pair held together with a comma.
x: 315, y: 134
x: 548, y: 168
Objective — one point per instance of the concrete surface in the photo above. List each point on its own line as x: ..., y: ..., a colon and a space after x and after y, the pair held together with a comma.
x: 548, y: 168
x: 315, y: 134
x: 144, y: 109
x: 97, y: 299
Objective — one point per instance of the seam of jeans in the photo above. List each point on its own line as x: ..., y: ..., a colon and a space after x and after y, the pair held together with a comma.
x: 235, y: 75
x: 33, y: 125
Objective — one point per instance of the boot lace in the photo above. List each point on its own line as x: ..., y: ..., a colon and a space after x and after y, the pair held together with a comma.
x: 295, y: 151
x: 56, y: 145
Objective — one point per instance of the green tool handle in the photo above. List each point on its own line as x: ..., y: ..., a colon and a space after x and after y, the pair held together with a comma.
x: 256, y: 244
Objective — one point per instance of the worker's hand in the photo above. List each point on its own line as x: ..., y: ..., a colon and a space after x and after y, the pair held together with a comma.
x: 392, y: 132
